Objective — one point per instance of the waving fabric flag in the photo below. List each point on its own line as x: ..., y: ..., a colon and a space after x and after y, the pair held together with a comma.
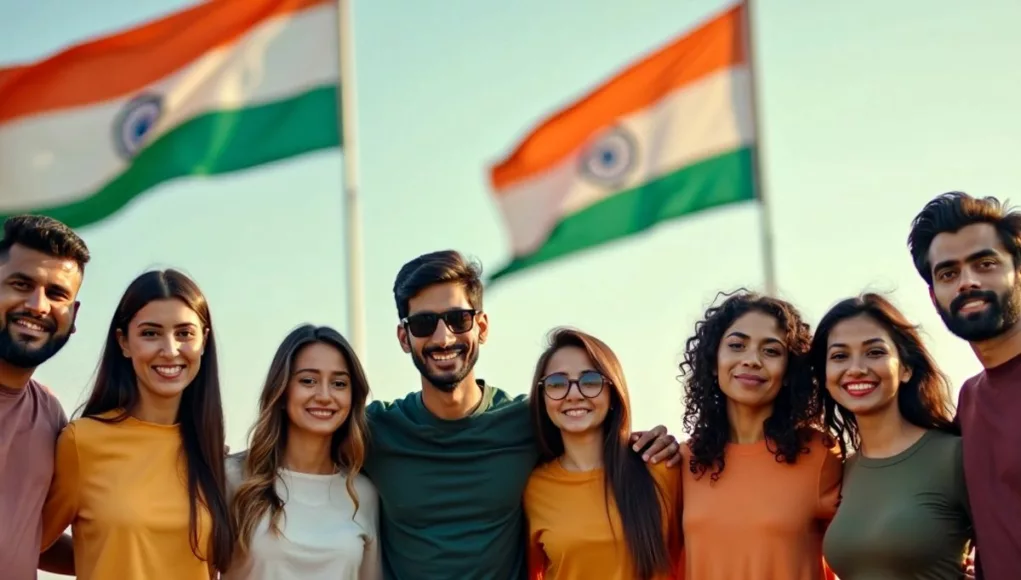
x: 669, y: 136
x: 222, y: 86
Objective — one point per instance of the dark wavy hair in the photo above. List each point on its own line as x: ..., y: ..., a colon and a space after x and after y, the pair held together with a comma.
x: 635, y: 493
x: 796, y: 409
x: 200, y: 415
x: 924, y: 400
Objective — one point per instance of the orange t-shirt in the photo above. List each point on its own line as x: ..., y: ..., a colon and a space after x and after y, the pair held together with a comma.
x: 570, y: 534
x: 763, y: 519
x: 123, y: 489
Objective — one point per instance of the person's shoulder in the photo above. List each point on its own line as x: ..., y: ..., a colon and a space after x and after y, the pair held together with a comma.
x: 823, y: 448
x: 234, y: 466
x: 379, y: 409
x: 365, y: 486
x: 48, y: 400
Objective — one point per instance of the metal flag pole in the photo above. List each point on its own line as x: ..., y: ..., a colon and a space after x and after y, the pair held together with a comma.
x: 352, y: 211
x: 765, y: 223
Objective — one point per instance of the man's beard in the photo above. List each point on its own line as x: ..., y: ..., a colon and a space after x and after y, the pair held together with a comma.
x: 1001, y: 314
x: 17, y: 353
x: 446, y: 382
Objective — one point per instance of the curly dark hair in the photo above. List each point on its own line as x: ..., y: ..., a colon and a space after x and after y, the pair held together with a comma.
x: 796, y: 410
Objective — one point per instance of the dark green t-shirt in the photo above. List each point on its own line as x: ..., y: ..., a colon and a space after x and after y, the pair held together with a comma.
x: 903, y: 517
x: 450, y: 491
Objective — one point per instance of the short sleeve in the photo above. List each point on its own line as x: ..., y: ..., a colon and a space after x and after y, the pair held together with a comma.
x: 61, y: 505
x: 831, y: 475
x: 960, y: 486
x: 372, y: 558
x: 669, y: 481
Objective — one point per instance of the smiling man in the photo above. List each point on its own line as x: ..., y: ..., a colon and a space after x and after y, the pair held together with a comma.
x: 450, y: 461
x: 41, y: 267
x: 968, y: 250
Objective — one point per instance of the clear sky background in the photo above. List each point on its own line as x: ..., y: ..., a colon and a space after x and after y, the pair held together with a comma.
x: 869, y: 109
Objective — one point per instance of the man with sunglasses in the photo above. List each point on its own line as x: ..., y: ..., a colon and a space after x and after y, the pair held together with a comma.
x: 451, y: 461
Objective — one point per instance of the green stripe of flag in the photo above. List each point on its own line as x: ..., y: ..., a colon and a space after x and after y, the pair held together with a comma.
x: 215, y: 143
x: 717, y: 181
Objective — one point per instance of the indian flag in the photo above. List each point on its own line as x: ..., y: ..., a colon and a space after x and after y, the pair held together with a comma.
x: 223, y: 86
x: 670, y: 136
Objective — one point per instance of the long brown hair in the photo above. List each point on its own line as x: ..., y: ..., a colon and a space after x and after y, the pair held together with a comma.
x: 268, y: 437
x: 924, y: 400
x: 200, y: 414
x: 639, y: 499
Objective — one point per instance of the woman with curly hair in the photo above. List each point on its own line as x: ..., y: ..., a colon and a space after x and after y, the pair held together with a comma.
x: 300, y: 506
x: 904, y: 507
x: 594, y: 508
x: 761, y: 481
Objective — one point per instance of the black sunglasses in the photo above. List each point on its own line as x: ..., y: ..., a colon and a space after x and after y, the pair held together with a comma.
x: 424, y: 324
x: 557, y: 385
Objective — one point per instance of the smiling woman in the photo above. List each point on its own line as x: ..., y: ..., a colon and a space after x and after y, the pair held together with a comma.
x: 302, y: 508
x: 904, y: 508
x: 761, y: 483
x: 143, y: 465
x: 581, y: 410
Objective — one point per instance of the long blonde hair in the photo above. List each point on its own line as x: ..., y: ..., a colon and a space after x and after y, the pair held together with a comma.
x: 268, y: 438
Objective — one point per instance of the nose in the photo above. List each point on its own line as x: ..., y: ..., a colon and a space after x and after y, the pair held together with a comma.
x: 857, y: 366
x: 170, y: 347
x: 322, y: 392
x: 752, y: 359
x: 574, y: 392
x: 442, y: 334
x: 967, y: 281
x: 37, y: 303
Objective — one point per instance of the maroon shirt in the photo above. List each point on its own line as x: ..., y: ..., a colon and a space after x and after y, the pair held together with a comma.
x: 989, y: 412
x: 30, y: 420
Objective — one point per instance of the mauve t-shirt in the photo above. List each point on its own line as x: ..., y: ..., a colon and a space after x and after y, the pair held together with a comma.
x: 31, y: 418
x: 989, y: 412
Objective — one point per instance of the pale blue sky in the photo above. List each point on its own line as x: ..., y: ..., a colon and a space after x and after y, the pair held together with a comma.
x: 869, y: 109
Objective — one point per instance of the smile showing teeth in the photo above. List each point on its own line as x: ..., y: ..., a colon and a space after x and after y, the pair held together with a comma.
x: 441, y: 356
x: 167, y: 371
x: 29, y: 325
x: 972, y: 305
x: 576, y: 412
x: 321, y: 413
x: 860, y: 389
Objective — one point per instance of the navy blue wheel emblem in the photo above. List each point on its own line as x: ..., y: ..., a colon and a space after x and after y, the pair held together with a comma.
x: 135, y: 122
x: 610, y: 158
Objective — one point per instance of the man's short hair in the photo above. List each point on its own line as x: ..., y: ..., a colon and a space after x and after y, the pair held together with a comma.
x: 954, y: 210
x: 44, y: 234
x: 438, y: 268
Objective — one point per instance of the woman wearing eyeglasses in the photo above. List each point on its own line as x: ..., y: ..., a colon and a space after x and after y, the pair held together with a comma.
x: 594, y: 508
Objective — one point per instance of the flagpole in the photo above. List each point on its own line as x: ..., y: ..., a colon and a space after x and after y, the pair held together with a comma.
x: 352, y: 210
x: 765, y: 223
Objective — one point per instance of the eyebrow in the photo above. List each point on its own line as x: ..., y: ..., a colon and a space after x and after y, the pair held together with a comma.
x: 876, y: 340
x: 743, y: 336
x: 158, y: 325
x: 310, y: 370
x: 986, y: 253
x: 27, y: 278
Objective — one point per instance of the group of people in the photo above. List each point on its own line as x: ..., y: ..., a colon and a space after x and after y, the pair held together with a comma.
x: 837, y: 453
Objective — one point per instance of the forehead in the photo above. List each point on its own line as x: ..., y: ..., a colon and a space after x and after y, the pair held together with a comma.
x: 41, y: 267
x: 957, y: 246
x: 167, y: 312
x: 569, y: 359
x: 757, y: 325
x: 320, y: 356
x: 856, y: 330
x: 439, y: 298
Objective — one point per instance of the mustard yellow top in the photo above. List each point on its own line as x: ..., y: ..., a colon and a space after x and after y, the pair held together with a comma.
x: 123, y: 489
x: 571, y: 535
